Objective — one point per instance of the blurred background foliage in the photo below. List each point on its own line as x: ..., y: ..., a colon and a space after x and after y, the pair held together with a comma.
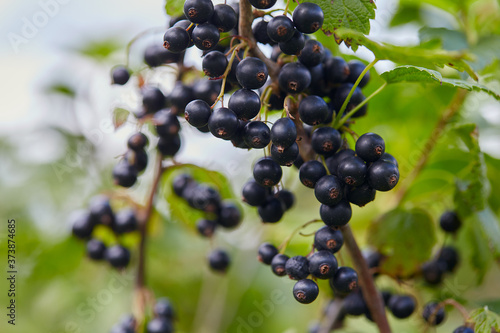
x: 67, y: 158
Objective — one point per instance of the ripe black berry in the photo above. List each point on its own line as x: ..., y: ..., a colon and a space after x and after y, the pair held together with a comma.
x: 352, y: 171
x: 219, y: 260
x: 370, y: 147
x: 355, y: 69
x: 206, y: 228
x: 237, y: 139
x: 267, y: 172
x: 389, y: 158
x: 328, y: 190
x: 322, y: 264
x: 164, y: 309
x: 137, y: 158
x: 280, y: 29
x: 205, y: 36
x: 214, y: 64
x: 285, y: 156
x: 433, y: 271
x: 152, y: 99
x: 328, y: 239
x: 383, y: 176
x: 180, y: 96
x: 336, y: 216
x: 286, y: 197
x: 313, y: 110
x: 251, y: 73
x: 332, y: 163
x: 95, y: 249
x: 345, y: 280
x: 262, y: 4
x: 361, y: 195
x: 166, y: 123
x: 197, y: 113
x: 244, y: 103
x: 118, y: 256
x: 120, y: 75
x: 297, y: 268
x: 126, y: 221
x: 308, y: 17
x: 198, y: 11
x: 137, y: 141
x: 278, y: 264
x: 266, y: 253
x: 294, y: 78
x: 124, y: 174
x: 169, y: 146
x: 176, y: 39
x: 354, y: 304
x: 305, y: 291
x: 326, y: 140
x: 229, y: 215
x: 181, y: 182
x: 260, y: 32
x: 312, y: 53
x: 357, y: 97
x: 271, y: 211
x: 402, y: 306
x: 432, y: 315
x: 294, y: 45
x: 186, y: 25
x: 310, y: 172
x: 336, y: 70
x: 463, y: 329
x: 159, y: 325
x: 223, y: 123
x: 156, y: 55
x: 450, y: 222
x: 256, y: 134
x: 207, y: 90
x: 373, y: 260
x: 224, y: 18
x: 254, y: 194
x: 101, y: 211
x: 449, y: 257
x: 206, y: 198
x: 283, y: 133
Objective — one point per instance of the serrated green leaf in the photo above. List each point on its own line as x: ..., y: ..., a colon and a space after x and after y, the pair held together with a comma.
x: 451, y: 40
x: 120, y: 116
x: 174, y: 7
x: 420, y: 74
x: 476, y: 249
x: 484, y: 320
x: 406, y: 237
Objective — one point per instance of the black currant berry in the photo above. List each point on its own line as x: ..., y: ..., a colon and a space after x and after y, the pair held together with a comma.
x: 156, y: 55
x: 118, y: 256
x: 361, y: 195
x: 260, y: 32
x: 206, y: 228
x: 285, y: 156
x: 256, y: 134
x: 328, y: 190
x: 205, y: 36
x: 312, y: 53
x: 433, y: 271
x: 357, y: 97
x: 262, y: 4
x: 137, y: 158
x: 237, y: 139
x: 463, y: 329
x: 219, y: 260
x: 432, y: 314
x: 245, y: 104
x: 402, y: 306
x: 197, y: 113
x: 223, y: 123
x: 336, y: 216
x: 164, y: 309
x: 326, y: 141
x: 352, y: 171
x: 297, y: 268
x: 229, y: 215
x: 166, y: 123
x: 101, y: 211
x: 181, y: 182
x: 124, y: 174
x: 176, y: 39
x: 207, y: 90
x: 159, y: 325
x: 354, y: 304
x: 169, y: 146
x: 294, y: 45
x: 214, y: 64
x: 383, y: 176
x: 328, y: 239
x: 152, y: 99
x: 254, y: 194
x: 198, y: 11
x: 332, y: 163
x: 356, y: 67
x: 283, y: 133
x: 267, y: 172
x: 450, y: 222
x: 294, y: 78
x: 336, y: 70
x: 322, y: 264
x: 126, y: 221
x: 449, y: 257
x: 81, y: 223
x: 120, y: 75
x: 95, y: 249
x: 389, y: 158
x: 224, y: 18
x: 345, y: 280
x: 305, y: 291
x: 276, y: 100
x: 251, y: 73
x: 278, y: 264
x: 280, y: 29
x: 271, y: 211
x: 313, y: 110
x: 286, y: 197
x: 180, y: 96
x: 266, y: 253
x: 137, y: 141
x: 308, y: 17
x: 373, y: 260
x: 206, y: 198
x: 310, y: 172
x: 370, y: 147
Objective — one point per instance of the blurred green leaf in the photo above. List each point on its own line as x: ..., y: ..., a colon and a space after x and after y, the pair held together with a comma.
x: 406, y: 13
x: 486, y: 51
x: 485, y: 320
x: 174, y: 7
x: 62, y: 89
x: 491, y: 230
x: 100, y: 50
x: 120, y: 117
x: 451, y: 40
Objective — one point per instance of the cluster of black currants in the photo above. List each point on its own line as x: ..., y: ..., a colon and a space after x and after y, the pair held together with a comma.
x: 161, y: 323
x: 100, y: 213
x: 218, y: 213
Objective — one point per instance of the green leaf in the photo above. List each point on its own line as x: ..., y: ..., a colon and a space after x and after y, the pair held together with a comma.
x: 451, y: 40
x: 419, y: 74
x: 120, y: 117
x: 475, y: 248
x: 174, y: 7
x: 100, y: 50
x: 406, y: 13
x: 484, y: 320
x: 486, y: 51
x: 406, y: 237
x: 62, y: 89
x: 491, y: 230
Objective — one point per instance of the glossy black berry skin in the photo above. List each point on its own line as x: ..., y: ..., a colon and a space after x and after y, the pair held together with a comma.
x: 328, y: 190
x: 323, y: 264
x: 197, y: 113
x: 283, y: 133
x: 179, y: 97
x: 327, y: 239
x: 310, y: 172
x: 245, y: 104
x: 449, y: 258
x: 433, y: 272
x: 332, y: 162
x: 305, y: 291
x: 223, y: 123
x: 312, y: 54
x: 260, y: 32
x: 219, y: 260
x: 198, y: 11
x: 181, y: 182
x: 370, y: 147
x: 326, y: 141
x: 313, y: 110
x: 450, y: 222
x: 251, y: 73
x: 361, y: 195
x: 224, y: 18
x: 237, y: 139
x: 355, y: 69
x: 402, y: 306
x: 169, y: 146
x: 137, y: 158
x: 357, y: 97
x: 286, y: 197
x: 432, y: 315
x: 166, y: 123
x: 389, y: 158
x: 186, y: 25
x: 205, y: 36
x: 207, y: 90
x: 118, y: 256
x: 280, y: 29
x: 214, y: 64
x: 267, y: 172
x: 266, y: 253
x: 206, y: 228
x: 156, y: 55
x: 124, y: 174
x: 229, y: 215
x: 294, y: 78
x: 278, y: 264
x: 159, y: 325
x: 126, y: 221
x: 137, y: 141
x: 254, y: 194
x: 352, y: 171
x: 257, y: 134
x: 206, y: 198
x: 354, y: 304
x: 345, y: 280
x: 336, y: 70
x: 164, y: 309
x: 383, y: 176
x: 297, y: 268
x: 285, y: 156
x: 308, y: 17
x: 463, y: 329
x: 176, y: 39
x: 120, y: 75
x: 262, y: 4
x: 96, y: 249
x: 294, y: 45
x: 152, y: 99
x: 336, y: 216
x: 271, y: 211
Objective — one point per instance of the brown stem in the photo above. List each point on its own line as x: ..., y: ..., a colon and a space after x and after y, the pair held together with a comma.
x: 332, y: 316
x: 429, y: 146
x: 372, y: 297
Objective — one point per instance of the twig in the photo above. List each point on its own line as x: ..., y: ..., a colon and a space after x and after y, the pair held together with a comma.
x: 332, y: 316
